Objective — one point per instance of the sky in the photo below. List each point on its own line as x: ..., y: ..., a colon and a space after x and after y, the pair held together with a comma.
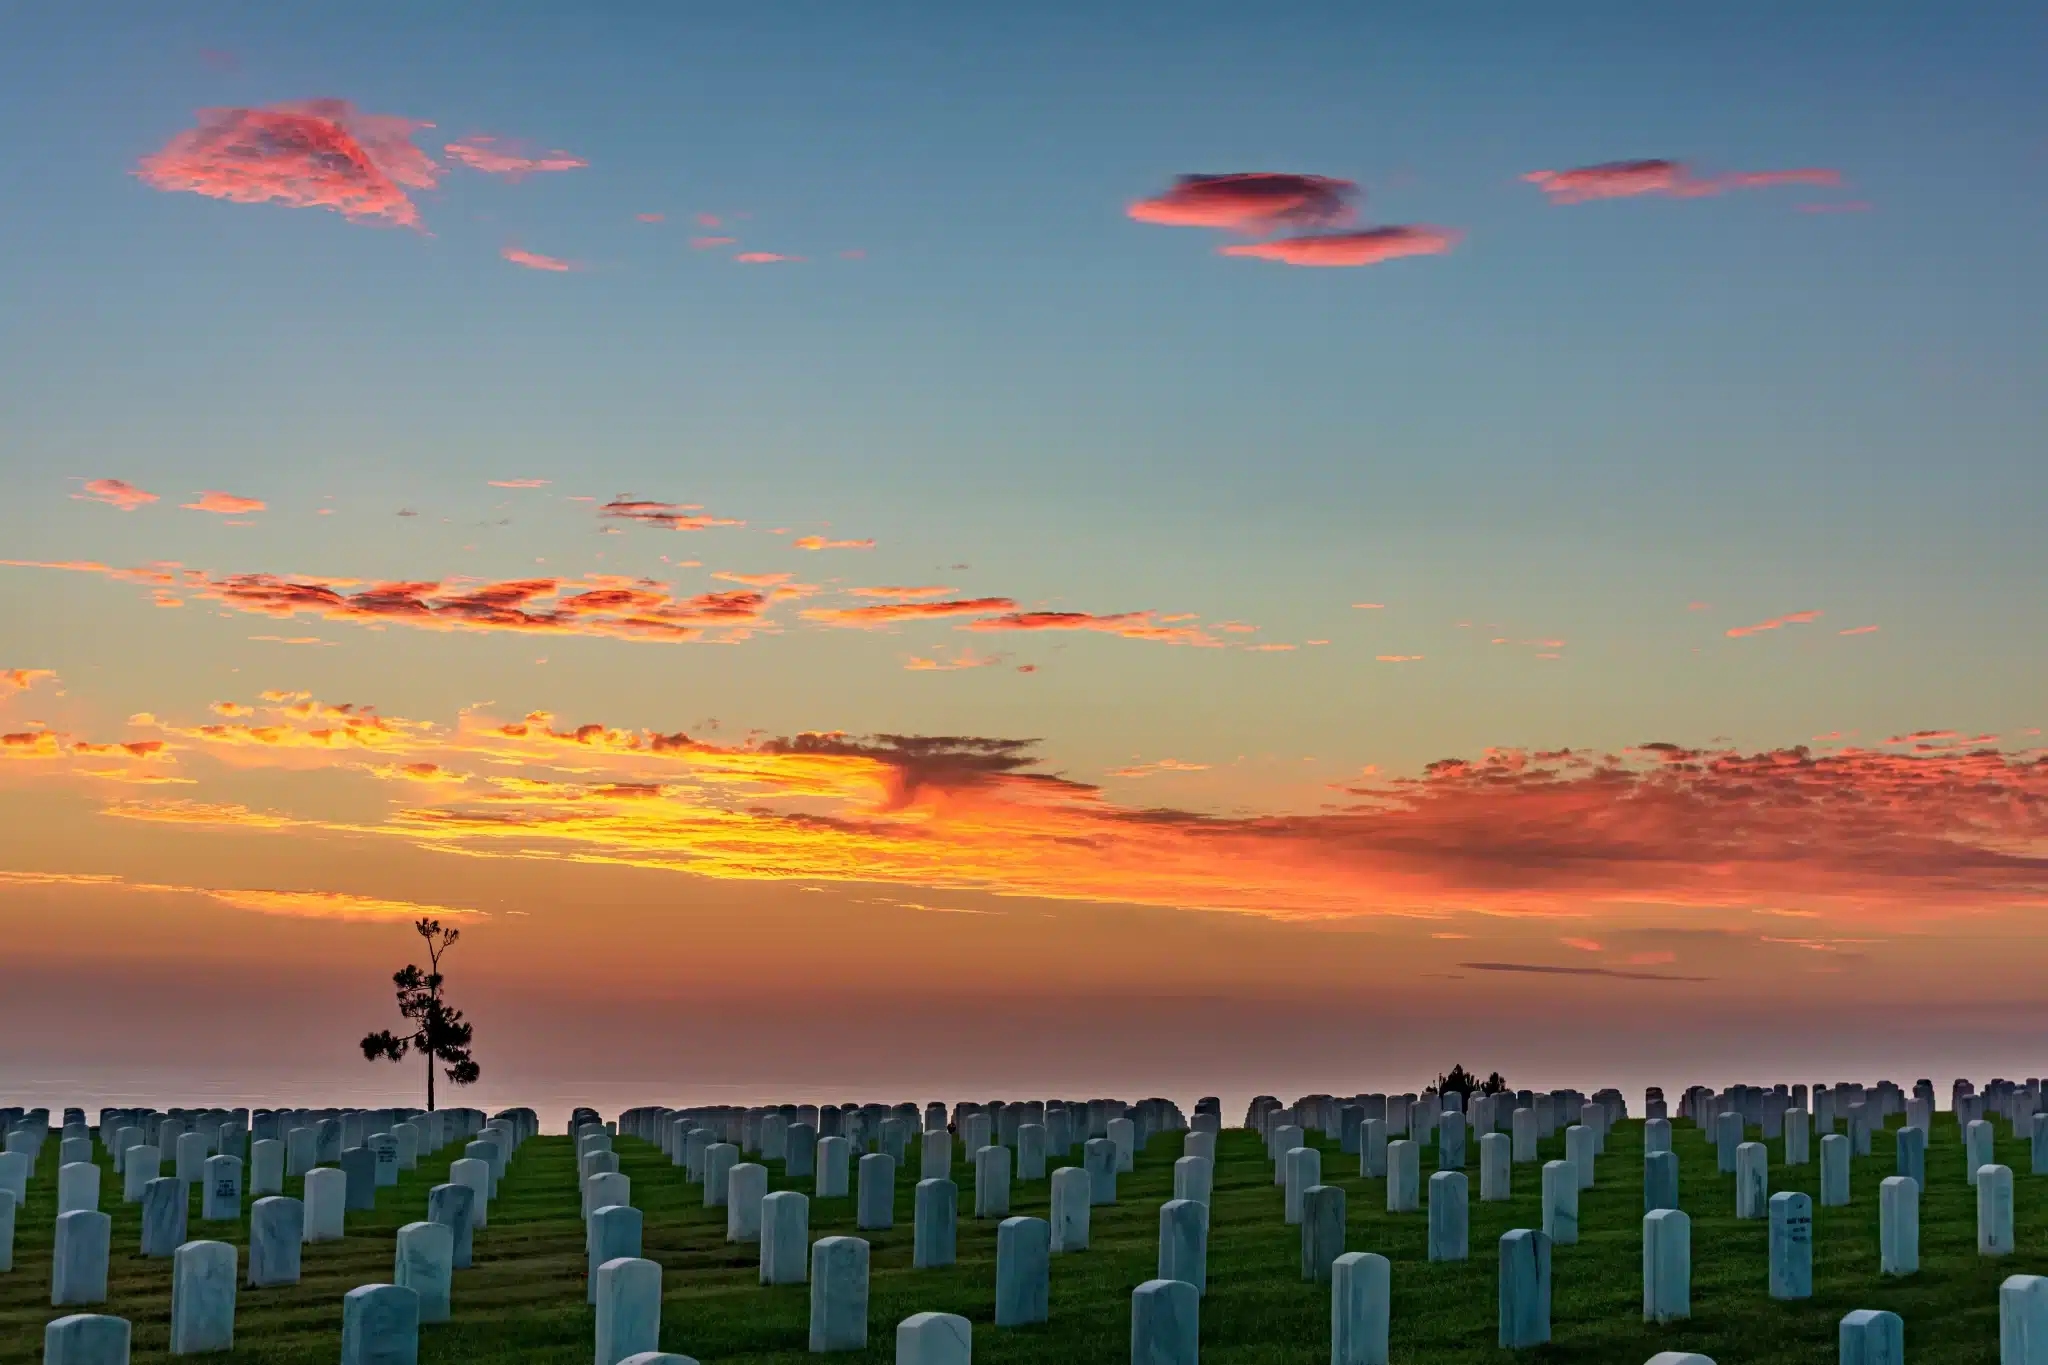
x: 933, y: 553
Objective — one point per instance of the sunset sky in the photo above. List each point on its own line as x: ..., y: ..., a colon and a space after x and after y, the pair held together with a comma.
x: 850, y: 575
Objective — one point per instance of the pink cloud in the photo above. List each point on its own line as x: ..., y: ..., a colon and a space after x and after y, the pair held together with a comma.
x: 888, y: 613
x: 1796, y: 618
x: 227, y: 504
x: 1131, y: 625
x: 1627, y: 179
x: 1858, y: 630
x: 763, y: 257
x: 1584, y: 945
x: 1253, y: 201
x: 533, y: 260
x: 307, y: 154
x: 509, y: 159
x: 1369, y: 247
x: 669, y: 516
x: 115, y: 493
x: 707, y: 243
x: 709, y: 220
x: 651, y: 217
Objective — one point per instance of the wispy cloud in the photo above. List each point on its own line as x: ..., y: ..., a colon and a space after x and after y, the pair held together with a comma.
x: 1131, y: 625
x: 1250, y: 201
x: 1615, y: 973
x: 533, y: 260
x: 1369, y: 247
x: 889, y: 613
x: 1794, y: 618
x: 669, y: 516
x: 498, y: 156
x: 115, y: 493
x: 1858, y: 630
x: 763, y: 258
x: 331, y: 905
x: 821, y: 543
x: 707, y: 243
x: 309, y: 154
x: 519, y: 483
x: 901, y: 593
x: 1626, y: 179
x: 966, y: 658
x: 225, y: 504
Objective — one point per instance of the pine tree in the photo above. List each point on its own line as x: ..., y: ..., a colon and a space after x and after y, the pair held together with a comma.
x: 439, y: 1032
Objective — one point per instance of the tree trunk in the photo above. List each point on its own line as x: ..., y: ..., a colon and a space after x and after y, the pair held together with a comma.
x: 430, y: 1079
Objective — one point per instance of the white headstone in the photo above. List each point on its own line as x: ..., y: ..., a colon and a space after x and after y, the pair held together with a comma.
x: 934, y: 1339
x: 1898, y: 1227
x: 628, y: 1308
x: 1872, y: 1336
x: 1360, y: 1297
x: 78, y: 1258
x: 1667, y: 1266
x: 277, y: 1227
x: 785, y: 1237
x: 1994, y: 1210
x: 1524, y: 1289
x: 1792, y: 1244
x: 935, y: 1218
x: 1073, y: 1192
x: 203, y: 1298
x: 1404, y: 1176
x: 424, y: 1262
x: 1561, y: 1203
x: 1166, y: 1317
x: 839, y: 1294
x: 86, y: 1339
x: 1023, y: 1272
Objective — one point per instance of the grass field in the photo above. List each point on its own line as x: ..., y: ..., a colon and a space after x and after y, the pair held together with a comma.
x: 524, y: 1298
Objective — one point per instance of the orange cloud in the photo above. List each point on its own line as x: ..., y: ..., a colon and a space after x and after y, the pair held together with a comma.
x: 903, y: 593
x: 1398, y: 658
x: 115, y: 493
x: 1369, y: 247
x: 495, y: 157
x: 1883, y: 835
x: 1796, y: 618
x: 888, y: 613
x: 670, y: 516
x: 22, y: 679
x: 337, y: 905
x: 1164, y: 765
x: 821, y: 543
x: 605, y: 605
x: 533, y: 260
x: 1368, y: 606
x: 1132, y: 625
x: 309, y: 154
x: 519, y: 483
x: 227, y: 504
x: 1251, y: 201
x: 966, y: 658
x: 1626, y: 179
x: 763, y: 257
x: 755, y: 580
x: 1858, y: 630
x: 1584, y: 945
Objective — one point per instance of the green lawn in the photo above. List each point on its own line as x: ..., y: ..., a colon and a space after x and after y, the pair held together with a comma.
x: 524, y: 1298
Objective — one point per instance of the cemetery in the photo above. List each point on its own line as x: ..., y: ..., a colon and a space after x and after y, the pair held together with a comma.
x: 1861, y: 1223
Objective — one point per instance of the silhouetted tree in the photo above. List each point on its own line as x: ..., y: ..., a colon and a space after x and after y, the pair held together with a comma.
x: 1465, y: 1083
x: 439, y: 1033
